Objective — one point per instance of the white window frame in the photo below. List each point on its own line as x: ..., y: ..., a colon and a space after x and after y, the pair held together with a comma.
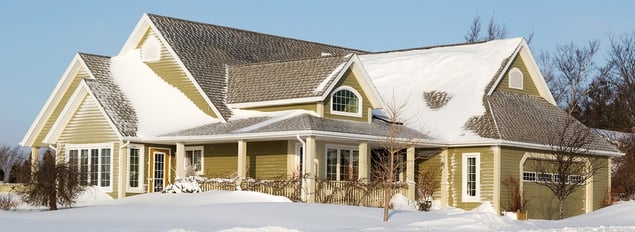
x: 339, y: 148
x: 138, y: 189
x: 195, y: 148
x: 477, y: 196
x: 298, y: 160
x: 359, y: 102
x: 529, y: 173
x: 515, y: 78
x: 99, y: 147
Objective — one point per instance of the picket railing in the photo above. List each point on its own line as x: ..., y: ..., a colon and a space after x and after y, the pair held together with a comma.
x: 358, y: 193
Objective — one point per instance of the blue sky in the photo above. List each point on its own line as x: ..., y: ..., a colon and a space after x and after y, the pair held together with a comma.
x: 39, y: 38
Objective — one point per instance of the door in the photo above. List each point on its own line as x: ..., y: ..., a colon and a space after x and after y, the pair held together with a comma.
x: 159, y: 168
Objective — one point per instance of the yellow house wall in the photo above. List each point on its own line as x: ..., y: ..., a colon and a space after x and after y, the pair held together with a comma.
x: 432, y: 163
x: 529, y: 87
x: 58, y: 108
x: 89, y: 126
x: 350, y: 80
x: 221, y: 160
x: 455, y: 190
x: 267, y: 160
x: 542, y: 203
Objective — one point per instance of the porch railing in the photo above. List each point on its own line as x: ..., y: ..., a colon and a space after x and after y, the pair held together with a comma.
x: 359, y: 193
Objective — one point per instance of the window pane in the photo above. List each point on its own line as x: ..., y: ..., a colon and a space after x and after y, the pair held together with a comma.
x: 471, y: 176
x: 105, y: 167
x: 346, y: 165
x: 83, y: 170
x: 73, y: 159
x: 345, y: 101
x: 94, y: 166
x: 331, y: 164
x: 134, y: 168
x: 196, y: 160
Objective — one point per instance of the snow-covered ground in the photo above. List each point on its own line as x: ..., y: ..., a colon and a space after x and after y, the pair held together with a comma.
x: 250, y: 211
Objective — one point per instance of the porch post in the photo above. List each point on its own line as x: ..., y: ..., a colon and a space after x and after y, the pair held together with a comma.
x: 410, y: 172
x: 364, y: 161
x: 180, y: 160
x: 35, y: 160
x: 311, y: 169
x: 242, y: 159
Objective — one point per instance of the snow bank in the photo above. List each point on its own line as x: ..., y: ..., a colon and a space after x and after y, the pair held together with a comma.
x: 184, y: 185
x: 401, y: 202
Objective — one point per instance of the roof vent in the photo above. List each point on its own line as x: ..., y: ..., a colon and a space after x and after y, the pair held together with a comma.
x: 151, y: 50
x: 324, y: 54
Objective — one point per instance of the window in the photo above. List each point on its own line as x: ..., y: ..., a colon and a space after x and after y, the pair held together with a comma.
x: 135, y: 168
x: 346, y: 101
x: 471, y: 177
x: 94, y: 163
x: 194, y: 160
x: 576, y: 179
x: 545, y: 177
x: 342, y: 163
x: 529, y: 176
x: 299, y: 150
x: 515, y: 78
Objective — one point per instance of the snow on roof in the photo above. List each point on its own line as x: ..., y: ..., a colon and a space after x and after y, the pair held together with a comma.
x: 160, y: 107
x: 463, y: 72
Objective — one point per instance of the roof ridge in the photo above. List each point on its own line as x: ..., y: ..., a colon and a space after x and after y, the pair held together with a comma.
x: 290, y: 61
x: 254, y: 32
x: 91, y: 54
x: 440, y: 46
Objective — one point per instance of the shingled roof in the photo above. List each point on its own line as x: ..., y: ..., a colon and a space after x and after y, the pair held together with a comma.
x: 206, y: 49
x: 302, y: 122
x: 531, y: 119
x: 108, y: 94
x: 283, y: 80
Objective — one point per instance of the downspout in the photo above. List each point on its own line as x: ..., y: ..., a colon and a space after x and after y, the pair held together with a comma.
x: 303, y: 193
x: 120, y: 191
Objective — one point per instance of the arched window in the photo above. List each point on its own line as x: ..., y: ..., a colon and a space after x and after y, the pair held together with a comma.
x: 346, y: 101
x: 515, y: 78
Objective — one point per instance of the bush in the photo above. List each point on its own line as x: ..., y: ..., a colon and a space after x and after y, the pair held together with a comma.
x: 7, y: 202
x: 53, y: 184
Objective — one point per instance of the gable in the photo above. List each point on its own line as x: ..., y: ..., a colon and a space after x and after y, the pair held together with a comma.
x: 349, y: 80
x: 55, y: 104
x: 88, y: 124
x: 528, y: 85
x: 169, y: 69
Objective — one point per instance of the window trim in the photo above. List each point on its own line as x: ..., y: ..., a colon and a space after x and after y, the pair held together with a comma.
x: 465, y: 196
x: 526, y: 173
x: 337, y: 170
x: 196, y: 148
x: 521, y: 76
x: 98, y: 146
x: 140, y: 188
x: 342, y: 113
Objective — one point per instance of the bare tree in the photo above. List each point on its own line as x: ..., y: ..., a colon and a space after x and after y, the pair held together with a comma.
x: 9, y: 156
x: 390, y: 161
x: 568, y: 72
x: 623, y: 177
x: 567, y: 167
x: 493, y: 31
x: 621, y: 61
x: 53, y: 184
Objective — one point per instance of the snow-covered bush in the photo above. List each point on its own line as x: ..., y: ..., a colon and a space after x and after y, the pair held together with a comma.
x: 184, y: 185
x: 8, y: 201
x: 401, y: 202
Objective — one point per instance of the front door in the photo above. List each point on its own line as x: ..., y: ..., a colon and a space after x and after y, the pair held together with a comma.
x: 160, y: 159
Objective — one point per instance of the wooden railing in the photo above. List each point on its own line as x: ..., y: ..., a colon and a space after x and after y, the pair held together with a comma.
x: 358, y: 193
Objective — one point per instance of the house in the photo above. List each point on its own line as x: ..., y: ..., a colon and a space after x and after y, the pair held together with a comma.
x: 222, y: 101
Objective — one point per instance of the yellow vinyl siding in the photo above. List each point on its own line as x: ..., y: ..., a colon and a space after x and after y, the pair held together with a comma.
x: 220, y: 160
x: 542, y: 202
x: 172, y: 73
x: 601, y: 186
x: 305, y: 106
x: 267, y: 160
x: 433, y: 162
x: 486, y: 187
x: 88, y: 125
x: 528, y: 84
x: 350, y: 80
x: 58, y: 108
x: 114, y: 181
